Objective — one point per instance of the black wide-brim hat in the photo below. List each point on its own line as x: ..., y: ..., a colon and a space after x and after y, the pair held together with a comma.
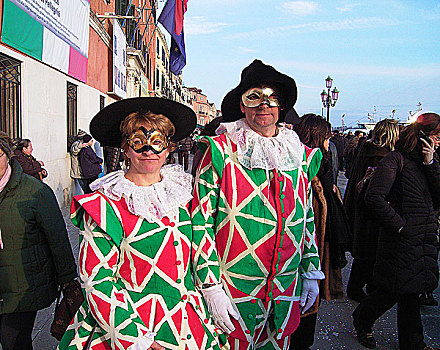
x: 253, y: 75
x: 105, y: 125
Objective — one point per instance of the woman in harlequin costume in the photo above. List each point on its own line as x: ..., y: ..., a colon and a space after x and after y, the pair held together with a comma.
x: 139, y: 258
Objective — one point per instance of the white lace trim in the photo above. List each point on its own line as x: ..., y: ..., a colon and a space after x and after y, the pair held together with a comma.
x: 150, y: 202
x: 282, y: 152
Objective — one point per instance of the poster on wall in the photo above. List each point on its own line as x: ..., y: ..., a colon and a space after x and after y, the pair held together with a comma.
x: 55, y: 32
x: 119, y: 61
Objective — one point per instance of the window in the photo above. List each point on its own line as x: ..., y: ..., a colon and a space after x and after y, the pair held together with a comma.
x: 10, y: 100
x: 72, y: 116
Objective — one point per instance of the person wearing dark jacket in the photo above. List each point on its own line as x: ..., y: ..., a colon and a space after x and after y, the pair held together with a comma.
x: 90, y: 164
x: 363, y: 224
x: 35, y: 254
x: 403, y: 194
x: 30, y: 166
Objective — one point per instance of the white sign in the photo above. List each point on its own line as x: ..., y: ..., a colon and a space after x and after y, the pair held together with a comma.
x: 67, y: 19
x: 119, y: 61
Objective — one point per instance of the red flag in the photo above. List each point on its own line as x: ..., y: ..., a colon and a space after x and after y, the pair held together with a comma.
x: 180, y: 9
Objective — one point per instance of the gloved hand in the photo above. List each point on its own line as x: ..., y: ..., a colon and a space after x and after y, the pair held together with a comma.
x: 309, y: 293
x: 220, y: 307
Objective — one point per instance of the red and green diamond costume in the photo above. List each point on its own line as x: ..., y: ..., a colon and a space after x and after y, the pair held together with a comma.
x: 252, y: 204
x: 138, y: 274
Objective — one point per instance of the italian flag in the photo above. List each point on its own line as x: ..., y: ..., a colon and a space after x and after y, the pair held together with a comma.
x: 30, y: 29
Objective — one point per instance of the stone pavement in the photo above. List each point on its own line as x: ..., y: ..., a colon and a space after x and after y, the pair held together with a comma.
x: 334, y: 329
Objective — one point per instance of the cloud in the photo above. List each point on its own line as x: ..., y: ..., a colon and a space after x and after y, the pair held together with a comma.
x: 300, y: 8
x: 247, y: 50
x: 200, y: 25
x: 421, y: 71
x: 346, y: 24
x: 347, y: 7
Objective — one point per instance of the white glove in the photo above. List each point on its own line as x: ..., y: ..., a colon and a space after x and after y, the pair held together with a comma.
x: 309, y: 293
x: 143, y: 343
x: 220, y: 307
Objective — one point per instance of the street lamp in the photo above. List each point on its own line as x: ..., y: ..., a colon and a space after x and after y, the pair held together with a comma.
x: 328, y: 97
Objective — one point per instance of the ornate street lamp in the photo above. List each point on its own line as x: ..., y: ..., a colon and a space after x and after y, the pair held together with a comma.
x: 328, y: 97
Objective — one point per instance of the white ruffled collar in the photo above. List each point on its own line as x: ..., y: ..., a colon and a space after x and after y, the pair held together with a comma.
x: 282, y: 152
x: 150, y: 202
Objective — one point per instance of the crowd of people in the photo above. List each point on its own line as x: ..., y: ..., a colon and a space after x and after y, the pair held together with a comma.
x: 237, y: 255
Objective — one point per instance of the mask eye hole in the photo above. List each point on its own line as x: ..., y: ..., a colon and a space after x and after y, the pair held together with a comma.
x: 253, y: 96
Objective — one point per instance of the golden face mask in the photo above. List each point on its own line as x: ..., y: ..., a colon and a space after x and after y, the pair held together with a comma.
x: 144, y: 140
x: 256, y: 96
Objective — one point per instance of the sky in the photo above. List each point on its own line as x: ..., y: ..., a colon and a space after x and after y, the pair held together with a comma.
x: 380, y: 53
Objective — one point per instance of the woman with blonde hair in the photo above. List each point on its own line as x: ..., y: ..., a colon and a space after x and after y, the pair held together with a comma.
x: 365, y: 228
x: 404, y: 197
x: 139, y: 260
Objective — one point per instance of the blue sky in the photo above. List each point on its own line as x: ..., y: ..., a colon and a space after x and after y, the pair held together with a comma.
x: 383, y: 53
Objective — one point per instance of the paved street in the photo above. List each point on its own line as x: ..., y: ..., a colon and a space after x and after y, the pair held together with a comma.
x: 334, y: 329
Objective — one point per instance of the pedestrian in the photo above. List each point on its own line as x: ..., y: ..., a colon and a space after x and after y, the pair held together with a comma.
x: 90, y: 164
x: 363, y: 223
x: 403, y: 194
x: 36, y: 259
x: 332, y: 231
x: 183, y: 150
x: 252, y: 202
x: 23, y: 155
x: 350, y: 152
x: 138, y: 253
x: 74, y: 145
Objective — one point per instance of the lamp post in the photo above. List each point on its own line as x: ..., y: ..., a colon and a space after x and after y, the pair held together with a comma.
x: 328, y: 97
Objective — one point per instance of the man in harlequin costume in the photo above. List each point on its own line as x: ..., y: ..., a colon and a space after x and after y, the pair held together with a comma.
x: 252, y: 201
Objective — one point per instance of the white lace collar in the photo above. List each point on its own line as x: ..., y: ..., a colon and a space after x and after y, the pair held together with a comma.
x: 282, y: 152
x: 150, y: 202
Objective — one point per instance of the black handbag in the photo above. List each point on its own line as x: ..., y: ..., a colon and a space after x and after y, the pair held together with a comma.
x: 66, y: 308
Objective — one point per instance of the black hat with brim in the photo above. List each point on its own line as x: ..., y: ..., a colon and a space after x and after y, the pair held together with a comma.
x: 253, y: 75
x: 105, y: 125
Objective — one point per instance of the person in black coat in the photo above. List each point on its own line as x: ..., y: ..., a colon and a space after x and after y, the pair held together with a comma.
x: 404, y: 194
x: 90, y: 164
x: 363, y: 224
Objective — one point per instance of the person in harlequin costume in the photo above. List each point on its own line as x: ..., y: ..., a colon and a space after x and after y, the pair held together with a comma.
x: 139, y: 259
x: 252, y: 204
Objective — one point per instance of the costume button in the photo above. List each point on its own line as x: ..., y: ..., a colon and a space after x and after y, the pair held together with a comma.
x: 165, y: 220
x: 176, y: 243
x: 280, y: 331
x: 215, y: 334
x: 280, y: 178
x: 184, y: 297
x: 279, y: 249
x: 278, y: 302
x: 178, y: 280
x: 206, y: 320
x: 197, y: 307
x: 247, y: 331
x: 283, y: 196
x: 188, y: 336
x: 250, y: 316
x: 253, y: 301
x: 178, y: 262
x: 172, y: 224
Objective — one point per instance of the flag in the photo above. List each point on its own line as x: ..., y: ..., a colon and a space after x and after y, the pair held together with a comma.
x: 172, y: 20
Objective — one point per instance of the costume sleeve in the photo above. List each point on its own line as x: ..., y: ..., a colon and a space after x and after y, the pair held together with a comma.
x: 310, y: 258
x: 108, y: 300
x: 204, y: 211
x: 49, y: 218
